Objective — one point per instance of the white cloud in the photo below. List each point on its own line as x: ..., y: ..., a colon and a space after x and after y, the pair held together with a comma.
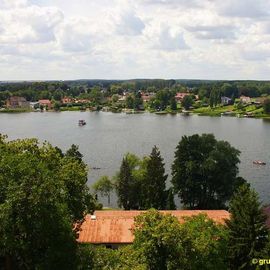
x: 129, y: 24
x: 11, y: 4
x: 221, y: 32
x: 171, y: 42
x: 246, y: 8
x: 58, y: 39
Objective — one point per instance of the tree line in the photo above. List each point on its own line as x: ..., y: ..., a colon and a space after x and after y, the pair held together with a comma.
x: 208, y: 91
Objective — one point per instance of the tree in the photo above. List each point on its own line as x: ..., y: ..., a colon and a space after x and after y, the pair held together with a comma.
x: 248, y: 234
x: 130, y: 102
x: 204, y: 172
x: 73, y: 152
x: 266, y: 105
x: 154, y: 182
x: 204, y: 243
x: 158, y: 241
x: 42, y: 196
x: 104, y: 186
x: 187, y: 102
x: 170, y: 204
x: 126, y: 186
x: 138, y: 102
x: 173, y: 104
x: 57, y: 106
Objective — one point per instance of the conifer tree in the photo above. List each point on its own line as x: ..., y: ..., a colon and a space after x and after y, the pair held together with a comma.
x: 126, y: 187
x: 154, y: 185
x: 170, y: 204
x: 248, y: 234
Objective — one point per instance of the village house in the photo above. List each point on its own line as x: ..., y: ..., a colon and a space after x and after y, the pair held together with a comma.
x: 146, y: 97
x: 180, y: 96
x: 82, y: 101
x: 245, y: 99
x: 67, y: 100
x: 45, y: 103
x: 115, y: 228
x: 226, y: 101
x: 17, y: 102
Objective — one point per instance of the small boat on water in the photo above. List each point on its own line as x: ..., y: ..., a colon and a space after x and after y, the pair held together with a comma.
x: 259, y: 162
x: 82, y: 123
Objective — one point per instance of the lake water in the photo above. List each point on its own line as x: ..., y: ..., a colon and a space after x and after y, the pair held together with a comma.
x: 107, y: 137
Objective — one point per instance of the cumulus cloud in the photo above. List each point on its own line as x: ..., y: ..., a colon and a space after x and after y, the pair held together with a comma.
x: 11, y: 4
x: 221, y: 32
x: 29, y: 24
x: 134, y: 38
x: 173, y: 3
x: 247, y: 8
x: 129, y: 24
x: 74, y: 36
x: 171, y: 42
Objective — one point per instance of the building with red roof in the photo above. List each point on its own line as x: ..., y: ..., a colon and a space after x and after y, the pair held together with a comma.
x: 114, y: 228
x: 46, y: 103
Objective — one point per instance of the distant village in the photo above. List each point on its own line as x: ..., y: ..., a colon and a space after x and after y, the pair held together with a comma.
x: 240, y: 98
x: 119, y: 103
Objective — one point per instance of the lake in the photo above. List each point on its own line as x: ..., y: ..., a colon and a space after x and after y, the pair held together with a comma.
x: 107, y: 137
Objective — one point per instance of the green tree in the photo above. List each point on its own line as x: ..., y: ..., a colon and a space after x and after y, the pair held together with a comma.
x: 204, y: 243
x: 266, y: 105
x: 173, y: 104
x: 154, y: 192
x: 57, y: 106
x: 170, y: 204
x: 158, y: 241
x: 130, y: 102
x: 104, y: 186
x: 42, y: 196
x: 74, y: 153
x: 138, y: 101
x: 127, y: 186
x: 187, y: 102
x: 204, y: 172
x: 248, y: 234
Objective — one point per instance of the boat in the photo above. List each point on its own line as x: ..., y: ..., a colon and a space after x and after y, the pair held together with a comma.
x: 82, y: 123
x: 259, y: 162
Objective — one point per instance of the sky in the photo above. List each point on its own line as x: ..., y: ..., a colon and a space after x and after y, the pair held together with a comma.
x: 126, y: 39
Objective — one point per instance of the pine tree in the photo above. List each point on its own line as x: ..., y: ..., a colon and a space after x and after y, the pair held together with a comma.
x: 123, y: 184
x: 170, y: 204
x: 248, y: 234
x: 127, y: 187
x: 154, y: 185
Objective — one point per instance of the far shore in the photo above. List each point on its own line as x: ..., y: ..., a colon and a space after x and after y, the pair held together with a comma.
x: 205, y: 112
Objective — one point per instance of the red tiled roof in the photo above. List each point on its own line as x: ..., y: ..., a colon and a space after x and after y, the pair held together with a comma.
x: 116, y: 226
x: 44, y: 101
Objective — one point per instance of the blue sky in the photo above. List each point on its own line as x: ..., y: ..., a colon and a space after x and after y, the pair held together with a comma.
x: 122, y: 39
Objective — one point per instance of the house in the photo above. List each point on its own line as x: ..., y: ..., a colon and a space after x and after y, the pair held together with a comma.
x: 17, y: 102
x: 34, y: 105
x: 226, y: 101
x: 245, y: 99
x: 46, y: 103
x: 67, y: 100
x: 82, y: 101
x: 115, y: 228
x: 146, y: 97
x: 179, y: 96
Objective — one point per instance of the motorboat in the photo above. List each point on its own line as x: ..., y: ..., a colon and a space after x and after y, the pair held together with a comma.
x: 82, y: 123
x: 259, y: 162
